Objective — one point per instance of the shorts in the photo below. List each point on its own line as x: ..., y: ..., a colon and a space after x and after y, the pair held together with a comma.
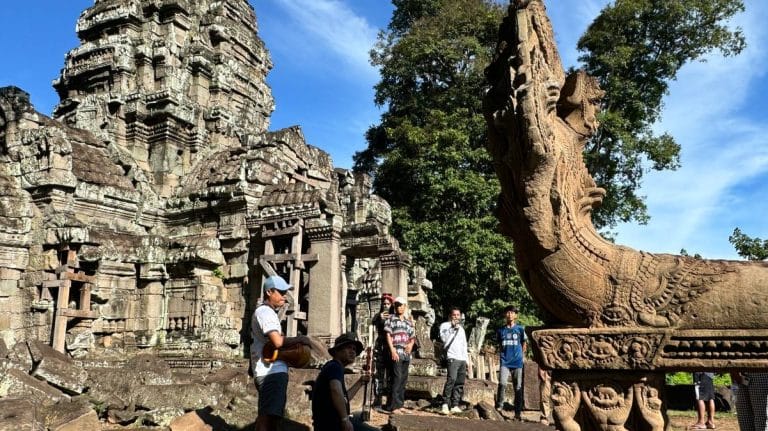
x: 273, y: 389
x: 705, y: 388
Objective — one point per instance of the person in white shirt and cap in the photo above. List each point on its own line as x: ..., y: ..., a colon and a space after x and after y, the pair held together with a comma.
x: 455, y: 343
x: 271, y: 377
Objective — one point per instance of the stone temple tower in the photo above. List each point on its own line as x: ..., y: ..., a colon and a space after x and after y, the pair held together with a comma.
x: 168, y: 81
x: 146, y: 213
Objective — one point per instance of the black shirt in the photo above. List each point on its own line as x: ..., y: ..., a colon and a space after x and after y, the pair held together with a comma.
x: 324, y: 414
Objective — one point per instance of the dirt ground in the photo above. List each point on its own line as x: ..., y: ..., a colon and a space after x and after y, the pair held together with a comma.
x: 680, y: 421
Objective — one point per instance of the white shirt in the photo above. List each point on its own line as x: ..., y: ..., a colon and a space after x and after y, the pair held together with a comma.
x: 458, y: 347
x: 263, y: 322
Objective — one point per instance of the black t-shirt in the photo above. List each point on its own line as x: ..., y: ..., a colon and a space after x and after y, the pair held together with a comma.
x: 324, y: 415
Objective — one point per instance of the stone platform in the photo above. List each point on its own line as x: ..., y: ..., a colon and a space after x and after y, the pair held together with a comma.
x: 442, y: 423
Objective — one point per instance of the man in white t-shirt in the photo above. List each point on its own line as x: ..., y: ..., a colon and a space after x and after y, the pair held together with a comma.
x: 455, y: 339
x: 271, y: 377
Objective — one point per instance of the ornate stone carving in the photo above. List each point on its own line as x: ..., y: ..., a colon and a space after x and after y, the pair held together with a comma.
x: 539, y: 121
x: 607, y: 402
x: 158, y: 189
x: 615, y: 308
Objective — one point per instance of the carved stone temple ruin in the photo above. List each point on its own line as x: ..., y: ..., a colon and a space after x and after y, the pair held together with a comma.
x: 620, y: 317
x: 145, y: 214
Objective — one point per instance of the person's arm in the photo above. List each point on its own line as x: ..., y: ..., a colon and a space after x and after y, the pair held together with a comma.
x: 392, y: 350
x: 411, y: 340
x: 411, y: 343
x: 339, y: 404
x: 280, y: 341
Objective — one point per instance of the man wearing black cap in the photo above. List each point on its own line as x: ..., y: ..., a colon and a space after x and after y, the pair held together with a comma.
x: 330, y: 398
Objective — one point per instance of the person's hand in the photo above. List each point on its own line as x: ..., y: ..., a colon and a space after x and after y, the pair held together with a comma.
x: 408, y: 349
x: 395, y: 356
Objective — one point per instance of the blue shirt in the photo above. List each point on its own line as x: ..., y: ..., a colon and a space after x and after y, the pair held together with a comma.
x: 511, y: 342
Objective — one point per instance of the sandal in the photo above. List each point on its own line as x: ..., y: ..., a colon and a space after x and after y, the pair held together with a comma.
x: 697, y: 427
x: 710, y: 426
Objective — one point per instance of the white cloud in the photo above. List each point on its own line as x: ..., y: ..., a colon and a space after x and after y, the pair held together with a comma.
x: 332, y: 25
x: 724, y: 151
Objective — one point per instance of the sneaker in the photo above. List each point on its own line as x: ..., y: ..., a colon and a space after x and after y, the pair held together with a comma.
x: 456, y: 409
x: 445, y: 410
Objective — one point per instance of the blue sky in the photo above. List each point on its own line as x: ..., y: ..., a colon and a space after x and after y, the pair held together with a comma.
x: 322, y: 81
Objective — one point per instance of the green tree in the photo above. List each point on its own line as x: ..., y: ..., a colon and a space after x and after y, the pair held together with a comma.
x: 748, y: 247
x: 427, y: 155
x: 635, y: 48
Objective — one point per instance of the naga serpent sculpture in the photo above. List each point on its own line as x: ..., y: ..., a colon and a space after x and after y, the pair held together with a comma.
x: 612, y: 307
x: 539, y: 121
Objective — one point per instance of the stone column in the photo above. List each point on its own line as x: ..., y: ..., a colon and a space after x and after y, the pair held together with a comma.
x: 394, y: 273
x: 152, y: 321
x: 325, y: 307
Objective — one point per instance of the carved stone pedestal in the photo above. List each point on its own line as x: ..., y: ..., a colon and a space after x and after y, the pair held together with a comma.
x: 613, y: 378
x: 608, y: 400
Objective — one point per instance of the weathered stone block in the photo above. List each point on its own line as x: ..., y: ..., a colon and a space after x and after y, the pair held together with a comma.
x: 57, y: 368
x: 187, y: 396
x: 10, y: 274
x: 17, y: 384
x: 74, y: 415
x: 189, y: 422
x: 20, y: 357
x: 17, y: 414
x: 8, y: 288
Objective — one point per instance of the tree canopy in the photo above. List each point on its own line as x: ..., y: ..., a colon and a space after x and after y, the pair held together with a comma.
x: 635, y: 48
x: 748, y: 247
x: 427, y: 154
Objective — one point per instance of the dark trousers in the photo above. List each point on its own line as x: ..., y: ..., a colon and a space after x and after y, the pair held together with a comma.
x: 454, y: 384
x: 399, y: 379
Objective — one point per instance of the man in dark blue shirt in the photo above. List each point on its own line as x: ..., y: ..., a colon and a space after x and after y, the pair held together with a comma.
x: 512, y: 346
x: 330, y: 399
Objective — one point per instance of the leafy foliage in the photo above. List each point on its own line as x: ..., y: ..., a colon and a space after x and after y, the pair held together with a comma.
x: 685, y: 378
x: 635, y: 48
x: 748, y: 247
x: 427, y: 155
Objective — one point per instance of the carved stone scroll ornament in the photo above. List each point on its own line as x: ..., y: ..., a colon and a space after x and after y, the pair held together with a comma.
x: 539, y: 121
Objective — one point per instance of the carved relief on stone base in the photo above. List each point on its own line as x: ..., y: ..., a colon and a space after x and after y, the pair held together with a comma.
x: 608, y: 401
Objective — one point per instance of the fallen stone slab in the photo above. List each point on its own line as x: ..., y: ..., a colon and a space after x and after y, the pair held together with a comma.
x: 18, y: 384
x: 186, y: 397
x: 73, y: 415
x: 189, y: 422
x: 17, y: 414
x: 445, y: 423
x: 161, y: 417
x: 20, y: 357
x: 57, y: 368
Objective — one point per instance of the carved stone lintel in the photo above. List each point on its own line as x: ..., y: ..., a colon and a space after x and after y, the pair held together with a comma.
x: 395, y: 259
x: 323, y: 233
x: 608, y: 401
x: 650, y: 349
